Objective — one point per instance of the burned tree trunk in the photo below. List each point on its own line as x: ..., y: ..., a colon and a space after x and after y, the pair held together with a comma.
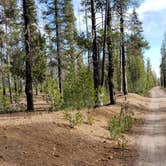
x: 96, y: 75
x: 28, y: 88
x: 124, y: 81
x: 58, y: 46
x: 110, y: 56
x: 104, y: 49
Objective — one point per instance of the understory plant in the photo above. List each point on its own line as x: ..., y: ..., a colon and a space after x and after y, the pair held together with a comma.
x: 6, y: 107
x: 121, y: 123
x: 53, y: 96
x: 90, y: 119
x: 78, y: 89
x: 74, y: 118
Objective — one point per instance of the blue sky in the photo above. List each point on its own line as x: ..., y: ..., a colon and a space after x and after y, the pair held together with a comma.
x: 152, y: 13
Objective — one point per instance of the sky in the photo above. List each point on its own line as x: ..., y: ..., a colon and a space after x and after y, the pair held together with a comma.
x: 152, y: 14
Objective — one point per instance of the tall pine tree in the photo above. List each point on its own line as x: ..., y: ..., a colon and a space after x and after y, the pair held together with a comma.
x: 29, y: 15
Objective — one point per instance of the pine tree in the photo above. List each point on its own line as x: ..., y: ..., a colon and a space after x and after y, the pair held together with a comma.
x: 69, y: 33
x: 110, y: 55
x: 96, y: 75
x: 8, y: 16
x: 39, y: 65
x: 151, y: 76
x: 2, y: 62
x: 87, y: 44
x: 121, y: 7
x: 29, y: 15
x: 163, y: 62
x: 53, y: 14
x: 135, y: 62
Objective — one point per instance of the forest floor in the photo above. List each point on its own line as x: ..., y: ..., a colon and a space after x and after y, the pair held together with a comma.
x: 45, y: 139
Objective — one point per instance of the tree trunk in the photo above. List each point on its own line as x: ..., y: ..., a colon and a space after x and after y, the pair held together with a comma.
x: 161, y: 80
x: 58, y: 46
x: 36, y: 90
x: 120, y: 86
x: 28, y: 87
x: 164, y: 81
x: 3, y: 78
x: 10, y: 88
x: 95, y: 54
x: 110, y: 57
x: 15, y: 86
x: 87, y: 33
x: 123, y: 53
x: 3, y: 84
x: 20, y: 86
x: 8, y: 65
x: 104, y: 50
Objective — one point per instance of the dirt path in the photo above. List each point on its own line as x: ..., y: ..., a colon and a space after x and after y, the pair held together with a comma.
x: 152, y: 141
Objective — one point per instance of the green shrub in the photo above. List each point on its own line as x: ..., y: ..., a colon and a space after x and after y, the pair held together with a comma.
x: 53, y: 95
x: 103, y: 96
x: 115, y: 127
x: 121, y: 123
x: 16, y: 98
x: 90, y: 119
x: 73, y: 118
x: 78, y: 89
x: 118, y: 125
x: 4, y: 104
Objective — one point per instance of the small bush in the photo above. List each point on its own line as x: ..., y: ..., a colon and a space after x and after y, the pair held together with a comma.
x: 78, y: 89
x: 73, y: 118
x: 16, y: 98
x: 4, y: 102
x: 118, y: 125
x: 53, y: 95
x: 90, y: 119
x: 4, y: 105
x: 115, y: 127
x: 121, y: 123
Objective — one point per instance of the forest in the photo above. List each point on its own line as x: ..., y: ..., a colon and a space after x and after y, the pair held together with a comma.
x: 68, y: 75
x: 73, y: 68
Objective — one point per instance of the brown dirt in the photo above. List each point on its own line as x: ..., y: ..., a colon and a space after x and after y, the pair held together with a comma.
x: 45, y: 139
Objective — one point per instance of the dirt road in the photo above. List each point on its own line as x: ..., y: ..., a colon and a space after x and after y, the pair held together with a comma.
x: 152, y: 135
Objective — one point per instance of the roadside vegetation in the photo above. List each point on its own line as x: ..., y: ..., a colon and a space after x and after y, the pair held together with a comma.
x: 71, y: 68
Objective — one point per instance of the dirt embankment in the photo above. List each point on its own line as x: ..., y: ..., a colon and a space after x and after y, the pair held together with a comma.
x: 45, y: 139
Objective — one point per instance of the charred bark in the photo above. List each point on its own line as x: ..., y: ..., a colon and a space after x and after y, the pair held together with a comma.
x: 58, y: 46
x: 96, y: 75
x: 110, y: 56
x: 124, y: 81
x: 28, y: 86
x: 104, y: 49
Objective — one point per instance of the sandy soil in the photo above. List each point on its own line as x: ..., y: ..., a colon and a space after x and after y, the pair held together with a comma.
x: 152, y: 135
x: 45, y: 139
